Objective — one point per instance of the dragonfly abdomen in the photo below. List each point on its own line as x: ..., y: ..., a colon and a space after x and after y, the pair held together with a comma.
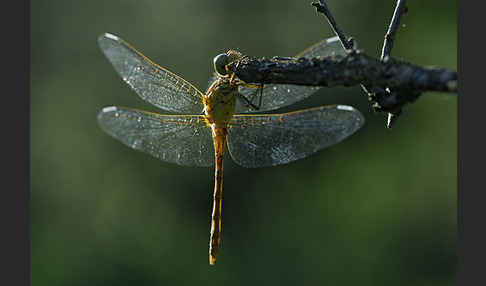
x: 219, y: 139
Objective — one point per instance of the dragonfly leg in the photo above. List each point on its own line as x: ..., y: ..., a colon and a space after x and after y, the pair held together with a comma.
x: 261, y: 96
x: 236, y: 81
x: 249, y: 103
x: 258, y: 92
x: 232, y: 79
x: 252, y: 85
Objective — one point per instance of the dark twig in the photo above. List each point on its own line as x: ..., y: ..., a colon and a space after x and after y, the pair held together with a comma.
x: 400, y: 9
x: 353, y: 69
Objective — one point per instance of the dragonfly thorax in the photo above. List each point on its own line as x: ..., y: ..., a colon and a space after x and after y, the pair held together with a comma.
x: 220, y: 102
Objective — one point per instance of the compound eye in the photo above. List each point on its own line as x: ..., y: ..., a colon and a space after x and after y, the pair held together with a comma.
x: 220, y: 62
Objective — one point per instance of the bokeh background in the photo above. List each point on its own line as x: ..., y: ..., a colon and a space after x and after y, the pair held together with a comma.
x: 377, y: 209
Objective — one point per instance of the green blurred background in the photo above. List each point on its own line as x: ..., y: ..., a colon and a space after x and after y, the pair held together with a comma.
x: 377, y: 209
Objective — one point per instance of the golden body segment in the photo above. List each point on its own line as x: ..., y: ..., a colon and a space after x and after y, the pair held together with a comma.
x: 219, y: 107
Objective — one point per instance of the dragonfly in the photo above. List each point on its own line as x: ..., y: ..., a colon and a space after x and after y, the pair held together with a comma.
x: 200, y: 125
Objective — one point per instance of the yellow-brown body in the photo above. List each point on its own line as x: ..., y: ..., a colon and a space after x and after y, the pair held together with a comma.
x: 219, y: 107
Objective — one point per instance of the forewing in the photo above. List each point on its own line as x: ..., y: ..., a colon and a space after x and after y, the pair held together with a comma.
x: 151, y: 82
x: 181, y: 139
x: 280, y: 95
x: 274, y: 139
x: 324, y: 48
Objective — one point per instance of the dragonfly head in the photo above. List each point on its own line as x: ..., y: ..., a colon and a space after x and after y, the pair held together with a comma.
x: 221, y: 61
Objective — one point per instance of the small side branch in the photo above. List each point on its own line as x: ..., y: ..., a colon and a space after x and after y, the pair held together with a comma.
x: 321, y: 7
x: 400, y: 9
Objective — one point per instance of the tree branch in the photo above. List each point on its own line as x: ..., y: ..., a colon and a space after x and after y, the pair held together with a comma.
x: 353, y: 69
x: 349, y: 70
x: 388, y: 83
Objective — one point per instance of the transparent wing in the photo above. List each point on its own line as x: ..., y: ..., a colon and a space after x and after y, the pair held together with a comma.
x: 324, y: 48
x: 280, y: 95
x: 151, y: 82
x: 181, y: 139
x: 274, y: 139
